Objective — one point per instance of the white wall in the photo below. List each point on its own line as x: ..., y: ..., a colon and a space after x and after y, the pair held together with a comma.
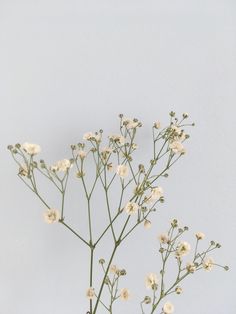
x: 67, y: 67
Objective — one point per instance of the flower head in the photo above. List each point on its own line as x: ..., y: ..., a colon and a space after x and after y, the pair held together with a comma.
x: 155, y: 195
x: 82, y: 154
x: 147, y: 224
x: 130, y: 124
x: 177, y: 147
x: 200, y: 235
x: 151, y: 281
x: 90, y: 293
x: 208, y: 264
x: 51, y: 215
x: 163, y: 238
x: 61, y: 165
x: 131, y: 208
x: 183, y: 249
x: 90, y: 136
x: 31, y: 149
x: 168, y: 308
x: 124, y: 294
x: 122, y: 171
x: 157, y: 125
x: 191, y: 267
x: 117, y: 138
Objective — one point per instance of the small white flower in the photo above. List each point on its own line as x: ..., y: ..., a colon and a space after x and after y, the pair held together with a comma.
x: 155, y: 195
x: 51, y: 215
x: 168, y: 308
x: 31, y: 149
x: 113, y: 269
x: 183, y: 249
x: 124, y: 294
x: 61, y: 165
x: 130, y: 124
x: 200, y: 235
x: 147, y: 224
x: 178, y: 290
x: 23, y: 170
x: 110, y: 166
x: 117, y: 138
x: 163, y: 238
x: 177, y: 147
x: 82, y: 154
x: 157, y: 125
x: 208, y: 264
x: 122, y: 171
x: 90, y: 293
x: 191, y: 267
x: 151, y: 281
x: 90, y: 136
x: 131, y: 208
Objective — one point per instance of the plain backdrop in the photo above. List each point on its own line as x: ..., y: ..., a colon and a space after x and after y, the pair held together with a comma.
x: 67, y: 67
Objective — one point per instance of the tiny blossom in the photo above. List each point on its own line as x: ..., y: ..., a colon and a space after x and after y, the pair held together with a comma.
x: 117, y: 138
x: 147, y: 300
x: 191, y: 268
x: 31, y: 149
x: 61, y: 165
x: 168, y: 308
x: 176, y: 129
x: 157, y: 125
x: 155, y: 195
x: 200, y: 235
x: 122, y: 171
x: 163, y: 238
x: 177, y: 147
x: 131, y: 208
x: 178, y: 290
x: 110, y: 166
x: 23, y: 170
x: 89, y: 136
x: 113, y: 269
x: 130, y: 124
x: 51, y: 215
x: 208, y: 264
x: 151, y: 281
x: 124, y: 294
x: 183, y: 249
x: 147, y: 224
x: 82, y: 154
x: 185, y: 115
x: 90, y: 293
x: 105, y: 152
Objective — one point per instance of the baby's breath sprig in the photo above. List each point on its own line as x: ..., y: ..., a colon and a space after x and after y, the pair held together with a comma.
x: 171, y: 246
x: 112, y: 160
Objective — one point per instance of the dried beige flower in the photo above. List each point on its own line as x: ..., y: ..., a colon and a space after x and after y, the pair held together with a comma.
x: 208, y: 264
x: 122, y: 171
x: 191, y: 268
x: 61, y: 165
x: 51, y: 215
x: 147, y: 224
x: 168, y: 308
x: 131, y: 208
x: 183, y: 249
x: 90, y: 293
x: 163, y: 238
x: 124, y: 294
x: 200, y: 235
x: 177, y: 147
x: 151, y: 281
x: 31, y: 149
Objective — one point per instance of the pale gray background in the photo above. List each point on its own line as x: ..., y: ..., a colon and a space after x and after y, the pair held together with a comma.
x: 67, y: 67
